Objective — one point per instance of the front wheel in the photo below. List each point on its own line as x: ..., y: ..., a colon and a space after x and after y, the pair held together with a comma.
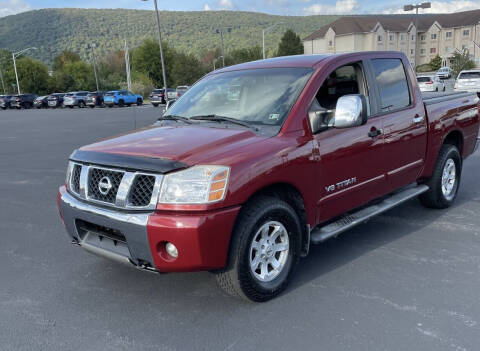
x: 445, y: 180
x: 139, y: 102
x: 264, y: 250
x: 120, y: 103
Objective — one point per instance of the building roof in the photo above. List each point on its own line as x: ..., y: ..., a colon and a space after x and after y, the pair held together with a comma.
x: 396, y: 23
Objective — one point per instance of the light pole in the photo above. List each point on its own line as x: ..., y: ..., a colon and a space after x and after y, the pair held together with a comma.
x: 423, y: 5
x: 92, y: 47
x: 220, y: 31
x: 3, y: 84
x: 265, y: 31
x: 161, y: 52
x: 14, y: 55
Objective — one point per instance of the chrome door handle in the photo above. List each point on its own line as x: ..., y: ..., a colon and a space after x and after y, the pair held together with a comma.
x: 418, y: 119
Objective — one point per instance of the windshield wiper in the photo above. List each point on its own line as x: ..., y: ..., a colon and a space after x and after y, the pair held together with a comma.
x: 175, y: 118
x: 217, y: 118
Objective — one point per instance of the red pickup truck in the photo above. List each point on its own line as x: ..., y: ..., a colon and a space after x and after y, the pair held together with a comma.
x: 258, y: 161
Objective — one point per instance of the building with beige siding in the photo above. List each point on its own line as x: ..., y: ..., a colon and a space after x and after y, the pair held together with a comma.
x: 440, y: 34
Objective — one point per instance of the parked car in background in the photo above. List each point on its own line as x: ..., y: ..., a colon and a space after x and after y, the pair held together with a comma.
x: 5, y: 101
x: 468, y: 81
x: 22, y: 101
x: 41, y: 102
x: 55, y: 100
x: 77, y: 98
x: 122, y: 98
x: 95, y: 99
x: 430, y: 83
x: 444, y: 73
x: 181, y: 89
x: 171, y: 93
x: 157, y: 97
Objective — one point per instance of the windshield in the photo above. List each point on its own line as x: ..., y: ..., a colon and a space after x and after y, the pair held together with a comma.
x: 424, y: 79
x: 469, y: 75
x: 257, y: 96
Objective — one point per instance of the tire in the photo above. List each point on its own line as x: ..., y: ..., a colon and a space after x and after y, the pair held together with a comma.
x: 92, y: 106
x: 155, y: 105
x: 70, y: 106
x: 238, y: 278
x: 436, y: 90
x: 120, y: 103
x: 440, y: 196
x: 139, y: 102
x: 110, y: 106
x: 81, y: 104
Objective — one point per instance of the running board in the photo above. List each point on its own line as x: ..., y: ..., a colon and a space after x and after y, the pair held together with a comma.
x: 320, y: 234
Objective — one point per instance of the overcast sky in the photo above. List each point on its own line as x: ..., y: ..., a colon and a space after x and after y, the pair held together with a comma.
x: 279, y: 7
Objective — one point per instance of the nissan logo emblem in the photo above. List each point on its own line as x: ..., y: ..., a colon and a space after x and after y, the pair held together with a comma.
x: 104, y: 185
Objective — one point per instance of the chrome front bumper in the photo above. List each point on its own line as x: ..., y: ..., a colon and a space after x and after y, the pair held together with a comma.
x: 136, y: 249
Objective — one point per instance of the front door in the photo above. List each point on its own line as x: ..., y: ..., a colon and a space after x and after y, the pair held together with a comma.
x: 350, y: 161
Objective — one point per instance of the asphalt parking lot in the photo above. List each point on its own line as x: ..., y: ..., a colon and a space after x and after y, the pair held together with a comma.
x: 407, y: 280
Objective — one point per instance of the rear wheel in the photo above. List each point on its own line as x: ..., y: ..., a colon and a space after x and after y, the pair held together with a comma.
x: 121, y: 103
x: 445, y: 180
x: 81, y: 104
x: 264, y: 250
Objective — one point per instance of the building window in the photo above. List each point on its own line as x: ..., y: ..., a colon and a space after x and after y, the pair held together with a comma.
x: 422, y: 51
x: 402, y: 36
x: 411, y: 51
x: 330, y: 43
x: 448, y: 35
x: 392, y: 37
x: 413, y: 37
x: 379, y: 38
x: 447, y: 49
x: 433, y: 37
x: 433, y: 50
x: 466, y: 32
x: 423, y: 37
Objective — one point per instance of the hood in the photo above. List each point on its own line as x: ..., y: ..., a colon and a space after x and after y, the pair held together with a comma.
x: 186, y: 144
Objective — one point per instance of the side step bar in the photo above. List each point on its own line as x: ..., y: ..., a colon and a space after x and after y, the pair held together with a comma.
x: 320, y: 234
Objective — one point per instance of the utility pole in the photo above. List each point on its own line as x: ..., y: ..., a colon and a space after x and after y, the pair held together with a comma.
x: 220, y: 31
x: 3, y: 84
x: 127, y: 66
x: 92, y: 47
x: 423, y: 5
x: 265, y: 31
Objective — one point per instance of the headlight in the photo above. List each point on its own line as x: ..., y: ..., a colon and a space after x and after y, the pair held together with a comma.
x: 196, y: 185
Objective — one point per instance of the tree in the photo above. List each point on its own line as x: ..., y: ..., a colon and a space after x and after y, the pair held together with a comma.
x: 146, y: 59
x: 244, y: 55
x: 186, y: 69
x: 32, y: 76
x: 461, y: 61
x: 290, y: 44
x: 60, y: 61
x: 435, y: 63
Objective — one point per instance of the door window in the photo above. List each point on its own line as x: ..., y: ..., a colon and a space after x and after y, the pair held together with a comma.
x: 345, y: 80
x: 392, y: 84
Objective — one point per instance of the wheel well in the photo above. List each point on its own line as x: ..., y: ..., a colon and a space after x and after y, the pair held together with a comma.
x: 455, y: 138
x: 294, y: 198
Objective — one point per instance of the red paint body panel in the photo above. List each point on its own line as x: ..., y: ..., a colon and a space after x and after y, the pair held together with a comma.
x: 310, y: 163
x: 202, y: 239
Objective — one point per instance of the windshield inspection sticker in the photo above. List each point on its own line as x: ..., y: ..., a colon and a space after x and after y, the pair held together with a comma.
x: 274, y: 116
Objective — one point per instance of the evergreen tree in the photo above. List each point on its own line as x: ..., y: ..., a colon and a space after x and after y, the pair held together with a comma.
x: 290, y: 44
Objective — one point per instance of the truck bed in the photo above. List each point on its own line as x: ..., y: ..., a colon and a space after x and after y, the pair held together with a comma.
x: 430, y: 98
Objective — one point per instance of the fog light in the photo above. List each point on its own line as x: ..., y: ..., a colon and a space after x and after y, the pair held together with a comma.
x: 171, y: 250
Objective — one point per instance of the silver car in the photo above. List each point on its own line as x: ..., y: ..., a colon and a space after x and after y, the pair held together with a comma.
x: 430, y: 83
x: 444, y: 73
x: 468, y: 81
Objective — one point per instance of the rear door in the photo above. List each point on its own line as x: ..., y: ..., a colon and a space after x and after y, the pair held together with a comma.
x: 405, y: 123
x: 350, y: 166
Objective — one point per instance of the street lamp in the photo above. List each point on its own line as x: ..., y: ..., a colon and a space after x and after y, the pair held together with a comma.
x: 14, y: 55
x: 220, y: 31
x: 3, y: 84
x: 265, y: 31
x: 423, y: 5
x: 161, y: 52
x: 92, y: 47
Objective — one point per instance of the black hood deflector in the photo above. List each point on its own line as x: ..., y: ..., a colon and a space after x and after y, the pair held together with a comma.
x: 127, y: 162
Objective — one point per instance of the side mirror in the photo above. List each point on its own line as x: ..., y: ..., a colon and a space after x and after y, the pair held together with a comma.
x: 351, y: 111
x: 317, y: 122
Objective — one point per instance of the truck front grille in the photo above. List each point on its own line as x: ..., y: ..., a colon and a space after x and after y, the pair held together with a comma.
x: 142, y: 189
x: 115, y: 187
x: 103, y: 184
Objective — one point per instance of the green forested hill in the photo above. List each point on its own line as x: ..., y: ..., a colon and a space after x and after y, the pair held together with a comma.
x: 55, y: 30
